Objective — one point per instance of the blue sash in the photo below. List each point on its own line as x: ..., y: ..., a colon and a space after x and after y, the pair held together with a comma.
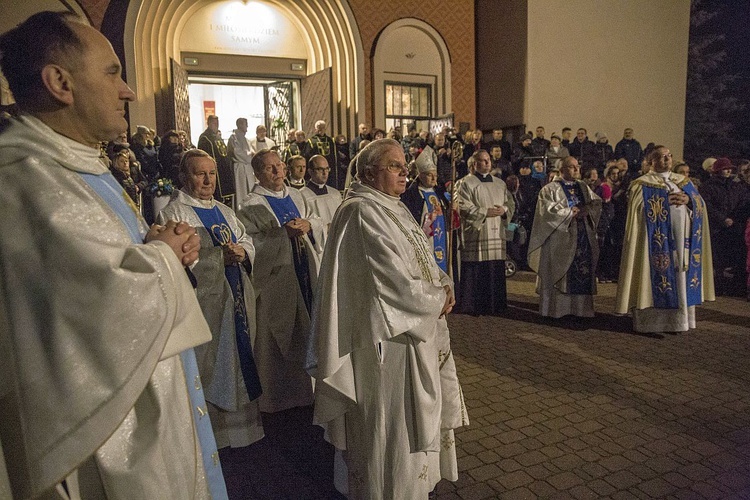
x: 438, y: 228
x: 221, y: 234
x: 695, y: 267
x: 572, y: 193
x: 107, y: 187
x: 580, y: 273
x: 118, y: 200
x: 283, y: 208
x: 661, y: 247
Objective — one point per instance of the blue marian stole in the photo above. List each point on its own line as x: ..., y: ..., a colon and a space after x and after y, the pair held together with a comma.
x: 107, y: 187
x: 438, y: 228
x: 285, y: 210
x: 221, y: 234
x: 661, y: 247
x: 695, y: 266
x: 580, y: 274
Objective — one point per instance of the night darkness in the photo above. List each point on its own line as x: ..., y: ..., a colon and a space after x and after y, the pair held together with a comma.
x: 733, y: 21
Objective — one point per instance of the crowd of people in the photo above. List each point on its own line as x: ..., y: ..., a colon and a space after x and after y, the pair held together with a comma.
x: 316, y: 271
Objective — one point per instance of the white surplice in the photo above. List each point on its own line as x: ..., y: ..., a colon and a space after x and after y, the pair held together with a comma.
x: 283, y: 323
x: 377, y: 350
x: 235, y: 419
x: 483, y: 237
x: 240, y: 152
x: 552, y: 248
x: 91, y: 326
x: 324, y: 206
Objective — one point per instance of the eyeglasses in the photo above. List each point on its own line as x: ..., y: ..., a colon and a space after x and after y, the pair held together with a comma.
x: 396, y: 168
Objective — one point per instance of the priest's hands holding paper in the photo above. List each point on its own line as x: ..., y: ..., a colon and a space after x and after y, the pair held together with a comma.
x: 180, y: 236
x: 450, y: 301
x: 297, y: 227
x: 234, y: 253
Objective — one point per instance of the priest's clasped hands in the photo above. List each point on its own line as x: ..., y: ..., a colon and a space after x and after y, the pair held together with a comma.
x: 234, y: 253
x: 181, y: 238
x: 496, y: 211
x: 297, y: 227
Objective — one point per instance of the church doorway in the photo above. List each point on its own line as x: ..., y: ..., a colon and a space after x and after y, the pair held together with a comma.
x: 314, y: 45
x: 270, y: 102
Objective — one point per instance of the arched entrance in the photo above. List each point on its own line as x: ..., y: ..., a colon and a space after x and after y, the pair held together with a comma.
x: 154, y: 30
x: 411, y: 74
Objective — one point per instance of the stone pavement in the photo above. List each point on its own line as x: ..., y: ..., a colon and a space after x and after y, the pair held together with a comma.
x: 573, y: 408
x: 587, y: 409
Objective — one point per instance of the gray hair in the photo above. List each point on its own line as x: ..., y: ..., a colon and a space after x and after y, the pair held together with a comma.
x: 371, y: 155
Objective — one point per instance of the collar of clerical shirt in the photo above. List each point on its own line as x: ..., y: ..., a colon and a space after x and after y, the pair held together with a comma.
x: 318, y: 189
x: 484, y: 177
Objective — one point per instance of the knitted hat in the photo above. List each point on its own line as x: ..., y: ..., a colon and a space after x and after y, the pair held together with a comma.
x: 722, y: 164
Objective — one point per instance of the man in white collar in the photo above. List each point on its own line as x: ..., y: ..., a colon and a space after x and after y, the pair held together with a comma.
x: 486, y: 207
x: 322, y: 199
x: 287, y: 237
x: 227, y: 298
x: 240, y: 152
x: 386, y: 389
x: 100, y: 389
x: 666, y: 267
x: 260, y: 141
x: 297, y: 166
x: 563, y: 249
x: 427, y: 203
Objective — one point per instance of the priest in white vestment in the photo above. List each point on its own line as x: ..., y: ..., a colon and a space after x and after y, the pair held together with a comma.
x: 261, y: 141
x: 287, y: 257
x: 563, y: 248
x: 386, y: 391
x: 99, y: 388
x: 322, y: 199
x: 666, y: 267
x: 240, y: 153
x: 486, y: 206
x: 226, y: 295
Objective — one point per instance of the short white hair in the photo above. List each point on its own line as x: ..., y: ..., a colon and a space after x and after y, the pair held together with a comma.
x: 371, y: 154
x: 319, y: 123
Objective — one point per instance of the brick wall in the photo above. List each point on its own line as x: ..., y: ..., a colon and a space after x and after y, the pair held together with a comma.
x: 455, y: 24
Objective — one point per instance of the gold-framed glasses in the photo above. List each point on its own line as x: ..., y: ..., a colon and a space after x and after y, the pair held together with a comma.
x: 395, y: 168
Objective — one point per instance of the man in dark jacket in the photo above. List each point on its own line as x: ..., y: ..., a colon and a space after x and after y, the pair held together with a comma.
x: 583, y: 149
x: 211, y: 142
x: 497, y: 140
x: 630, y: 149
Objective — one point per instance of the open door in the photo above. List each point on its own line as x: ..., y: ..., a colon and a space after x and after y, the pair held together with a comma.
x: 180, y: 102
x: 280, y: 111
x: 316, y: 96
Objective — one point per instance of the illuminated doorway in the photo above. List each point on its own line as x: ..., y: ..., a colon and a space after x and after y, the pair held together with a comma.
x: 273, y: 103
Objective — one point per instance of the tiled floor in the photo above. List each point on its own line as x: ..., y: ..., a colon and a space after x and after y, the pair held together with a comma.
x: 564, y: 409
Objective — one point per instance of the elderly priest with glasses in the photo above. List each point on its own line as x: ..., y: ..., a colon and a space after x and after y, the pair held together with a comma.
x: 386, y: 389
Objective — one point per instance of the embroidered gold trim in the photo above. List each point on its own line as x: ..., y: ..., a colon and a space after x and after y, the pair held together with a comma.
x: 423, y: 257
